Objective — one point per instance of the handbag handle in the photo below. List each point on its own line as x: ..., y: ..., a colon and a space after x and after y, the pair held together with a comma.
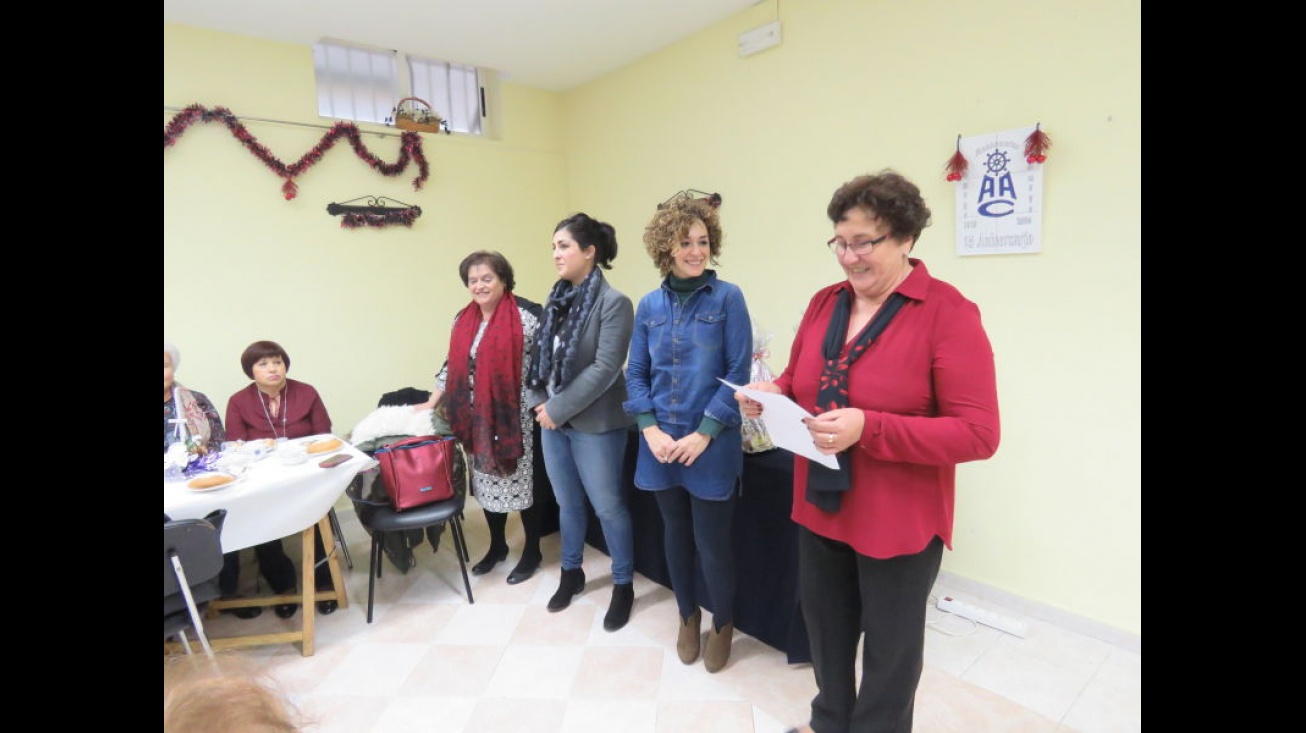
x: 353, y: 491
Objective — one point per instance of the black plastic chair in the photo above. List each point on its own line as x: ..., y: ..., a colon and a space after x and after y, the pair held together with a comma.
x: 192, y: 560
x: 378, y: 517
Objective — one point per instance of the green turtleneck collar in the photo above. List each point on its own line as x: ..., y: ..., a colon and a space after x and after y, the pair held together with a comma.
x: 684, y: 287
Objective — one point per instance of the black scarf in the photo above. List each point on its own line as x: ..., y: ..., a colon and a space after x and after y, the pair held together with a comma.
x: 825, y: 486
x: 567, y: 309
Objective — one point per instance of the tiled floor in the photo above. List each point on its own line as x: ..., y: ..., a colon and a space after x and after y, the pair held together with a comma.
x: 432, y: 663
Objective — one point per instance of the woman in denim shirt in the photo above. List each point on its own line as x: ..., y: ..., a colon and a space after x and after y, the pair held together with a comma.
x: 691, y: 330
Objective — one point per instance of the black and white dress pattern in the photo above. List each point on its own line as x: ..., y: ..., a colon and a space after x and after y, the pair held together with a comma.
x: 515, y: 492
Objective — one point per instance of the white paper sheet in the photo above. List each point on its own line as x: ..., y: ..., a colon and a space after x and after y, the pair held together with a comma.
x: 784, y: 423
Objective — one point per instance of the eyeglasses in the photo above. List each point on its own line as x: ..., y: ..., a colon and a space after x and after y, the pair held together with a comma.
x: 858, y: 249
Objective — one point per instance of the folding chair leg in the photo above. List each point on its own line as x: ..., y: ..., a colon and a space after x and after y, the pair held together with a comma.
x: 458, y: 530
x: 340, y: 537
x: 373, y: 570
x: 195, y: 619
x: 460, y: 547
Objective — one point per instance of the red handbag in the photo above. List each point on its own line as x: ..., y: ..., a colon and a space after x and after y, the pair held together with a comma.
x: 421, y: 470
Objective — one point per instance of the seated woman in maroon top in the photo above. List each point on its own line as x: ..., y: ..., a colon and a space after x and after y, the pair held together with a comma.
x: 275, y: 406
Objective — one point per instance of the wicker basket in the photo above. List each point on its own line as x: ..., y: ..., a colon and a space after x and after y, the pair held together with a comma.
x: 416, y: 114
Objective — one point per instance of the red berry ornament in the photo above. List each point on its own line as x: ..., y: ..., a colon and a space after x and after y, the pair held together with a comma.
x: 1036, y: 145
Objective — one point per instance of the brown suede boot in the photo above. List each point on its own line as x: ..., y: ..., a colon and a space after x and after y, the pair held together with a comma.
x: 718, y: 647
x: 690, y: 638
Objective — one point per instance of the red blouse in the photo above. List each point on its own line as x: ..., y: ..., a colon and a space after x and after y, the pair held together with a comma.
x: 928, y: 388
x: 304, y: 414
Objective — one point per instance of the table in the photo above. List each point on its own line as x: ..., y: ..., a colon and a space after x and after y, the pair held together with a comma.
x: 274, y: 500
x: 766, y: 548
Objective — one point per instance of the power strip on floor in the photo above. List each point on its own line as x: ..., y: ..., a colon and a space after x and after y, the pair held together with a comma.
x: 983, y: 616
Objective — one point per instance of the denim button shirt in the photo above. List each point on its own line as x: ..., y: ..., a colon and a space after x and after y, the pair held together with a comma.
x: 677, y: 351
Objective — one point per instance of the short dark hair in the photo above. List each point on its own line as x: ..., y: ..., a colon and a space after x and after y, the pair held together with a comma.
x: 493, y: 260
x: 590, y: 232
x: 888, y: 196
x: 261, y: 350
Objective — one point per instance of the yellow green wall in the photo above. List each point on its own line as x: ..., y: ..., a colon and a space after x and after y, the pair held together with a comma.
x: 1053, y: 519
x: 360, y: 311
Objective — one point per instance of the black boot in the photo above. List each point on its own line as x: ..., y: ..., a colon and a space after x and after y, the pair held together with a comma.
x: 571, y: 585
x: 493, y: 556
x: 623, y: 597
x: 530, y: 553
x: 498, y: 552
x: 529, y: 563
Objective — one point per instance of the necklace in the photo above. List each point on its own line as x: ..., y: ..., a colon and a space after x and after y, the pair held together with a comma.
x: 178, y: 418
x: 285, y: 407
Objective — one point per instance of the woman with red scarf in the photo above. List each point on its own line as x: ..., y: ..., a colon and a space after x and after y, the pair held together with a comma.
x: 482, y: 384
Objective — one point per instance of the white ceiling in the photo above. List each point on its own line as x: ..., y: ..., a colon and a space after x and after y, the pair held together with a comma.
x: 545, y: 44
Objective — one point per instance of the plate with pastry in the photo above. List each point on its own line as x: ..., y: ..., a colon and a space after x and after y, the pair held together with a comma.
x: 212, y: 481
x: 323, y: 447
x: 258, y: 449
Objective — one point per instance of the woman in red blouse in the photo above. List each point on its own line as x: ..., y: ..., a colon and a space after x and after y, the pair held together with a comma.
x: 899, y: 372
x: 275, y: 406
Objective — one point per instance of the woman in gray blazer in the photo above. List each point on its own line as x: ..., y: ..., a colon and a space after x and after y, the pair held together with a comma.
x: 577, y: 388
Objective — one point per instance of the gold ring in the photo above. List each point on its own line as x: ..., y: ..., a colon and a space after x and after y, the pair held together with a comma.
x: 829, y: 438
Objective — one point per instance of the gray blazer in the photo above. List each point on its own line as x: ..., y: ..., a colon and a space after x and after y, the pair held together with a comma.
x: 591, y: 403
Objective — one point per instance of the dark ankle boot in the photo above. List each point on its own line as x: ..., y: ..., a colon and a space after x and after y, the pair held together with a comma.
x: 525, y: 568
x: 571, y: 585
x: 623, y: 597
x: 493, y: 556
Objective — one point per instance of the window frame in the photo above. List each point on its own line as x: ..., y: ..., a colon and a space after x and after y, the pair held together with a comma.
x: 362, y: 83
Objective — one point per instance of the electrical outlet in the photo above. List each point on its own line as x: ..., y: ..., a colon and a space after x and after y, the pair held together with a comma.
x: 983, y: 616
x: 759, y: 39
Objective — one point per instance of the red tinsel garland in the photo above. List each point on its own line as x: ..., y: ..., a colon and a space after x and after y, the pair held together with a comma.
x: 402, y: 216
x: 411, y: 150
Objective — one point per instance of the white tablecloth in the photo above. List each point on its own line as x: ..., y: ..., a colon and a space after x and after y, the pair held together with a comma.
x: 271, y: 500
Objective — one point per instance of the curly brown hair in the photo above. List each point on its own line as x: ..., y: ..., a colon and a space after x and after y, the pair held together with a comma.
x: 671, y: 224
x: 887, y: 195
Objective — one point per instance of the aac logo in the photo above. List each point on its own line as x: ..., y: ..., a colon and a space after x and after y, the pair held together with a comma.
x: 997, y: 195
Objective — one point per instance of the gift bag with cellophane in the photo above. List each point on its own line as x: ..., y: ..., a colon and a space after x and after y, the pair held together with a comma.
x: 753, y: 430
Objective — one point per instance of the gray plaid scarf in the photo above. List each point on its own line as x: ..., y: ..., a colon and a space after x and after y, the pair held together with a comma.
x: 567, y: 309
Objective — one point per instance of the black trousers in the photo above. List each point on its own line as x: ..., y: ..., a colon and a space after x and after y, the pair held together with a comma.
x: 275, y: 566
x: 706, y: 528
x: 845, y: 595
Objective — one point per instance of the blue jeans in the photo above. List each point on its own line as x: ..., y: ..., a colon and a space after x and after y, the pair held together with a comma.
x: 589, y: 465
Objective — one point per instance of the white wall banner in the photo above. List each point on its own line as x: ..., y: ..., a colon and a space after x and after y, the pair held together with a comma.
x: 1000, y: 199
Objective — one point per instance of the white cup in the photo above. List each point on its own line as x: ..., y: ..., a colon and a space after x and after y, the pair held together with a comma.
x: 292, y: 453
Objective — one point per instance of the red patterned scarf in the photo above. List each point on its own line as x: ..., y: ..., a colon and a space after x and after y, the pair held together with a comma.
x: 487, y: 420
